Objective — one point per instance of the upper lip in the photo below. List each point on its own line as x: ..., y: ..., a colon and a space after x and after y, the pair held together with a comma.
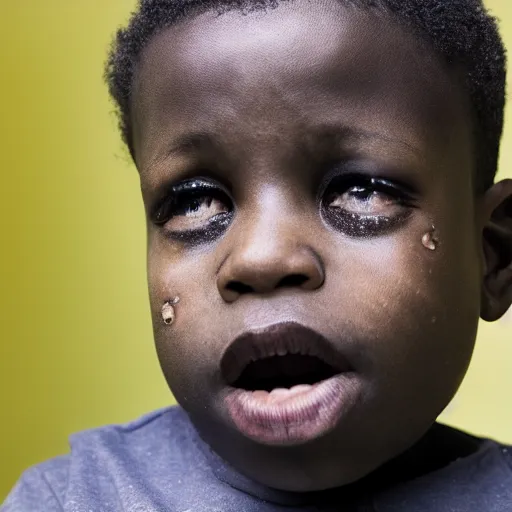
x: 279, y: 339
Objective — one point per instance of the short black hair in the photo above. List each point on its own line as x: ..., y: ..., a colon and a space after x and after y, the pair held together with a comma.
x: 462, y: 32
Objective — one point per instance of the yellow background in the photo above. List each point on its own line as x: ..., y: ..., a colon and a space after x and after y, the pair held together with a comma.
x: 75, y: 335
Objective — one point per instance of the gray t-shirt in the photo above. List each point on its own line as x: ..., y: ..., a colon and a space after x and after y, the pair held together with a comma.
x: 159, y: 463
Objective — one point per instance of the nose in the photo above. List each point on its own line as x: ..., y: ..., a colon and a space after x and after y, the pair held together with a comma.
x: 270, y: 251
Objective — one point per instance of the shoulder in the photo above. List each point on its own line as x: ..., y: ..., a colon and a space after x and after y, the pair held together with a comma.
x: 506, y: 450
x: 40, y: 487
x: 476, y: 475
x: 484, y: 475
x: 170, y: 421
x: 94, y: 454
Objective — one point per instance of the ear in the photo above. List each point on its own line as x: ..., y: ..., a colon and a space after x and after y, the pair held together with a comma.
x: 497, y: 249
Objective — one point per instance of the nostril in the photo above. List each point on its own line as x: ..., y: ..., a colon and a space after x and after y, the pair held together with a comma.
x: 293, y: 280
x: 238, y: 287
x: 290, y: 281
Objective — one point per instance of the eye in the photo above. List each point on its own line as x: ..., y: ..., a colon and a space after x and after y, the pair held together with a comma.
x: 194, y: 211
x: 371, y: 198
x: 360, y: 205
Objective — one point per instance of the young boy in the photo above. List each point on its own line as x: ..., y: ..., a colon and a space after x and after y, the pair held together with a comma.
x: 324, y: 232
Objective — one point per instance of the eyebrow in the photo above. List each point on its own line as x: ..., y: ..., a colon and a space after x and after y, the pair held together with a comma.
x: 328, y: 135
x: 333, y: 135
x: 192, y: 141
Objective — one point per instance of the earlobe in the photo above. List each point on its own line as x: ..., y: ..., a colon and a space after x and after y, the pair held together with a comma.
x: 497, y: 250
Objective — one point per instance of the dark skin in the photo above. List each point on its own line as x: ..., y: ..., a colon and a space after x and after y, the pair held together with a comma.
x: 293, y: 98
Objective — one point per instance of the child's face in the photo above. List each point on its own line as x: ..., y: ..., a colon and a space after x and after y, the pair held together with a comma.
x: 302, y: 106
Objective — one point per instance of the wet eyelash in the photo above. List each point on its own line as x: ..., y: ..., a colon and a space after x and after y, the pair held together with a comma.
x: 402, y: 193
x: 181, y: 195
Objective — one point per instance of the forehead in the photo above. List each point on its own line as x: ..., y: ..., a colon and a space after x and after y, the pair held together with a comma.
x: 287, y: 70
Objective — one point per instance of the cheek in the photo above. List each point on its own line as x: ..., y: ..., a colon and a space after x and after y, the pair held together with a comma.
x: 419, y: 310
x: 182, y: 347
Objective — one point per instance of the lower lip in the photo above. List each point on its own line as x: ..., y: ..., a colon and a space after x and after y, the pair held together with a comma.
x: 291, y: 417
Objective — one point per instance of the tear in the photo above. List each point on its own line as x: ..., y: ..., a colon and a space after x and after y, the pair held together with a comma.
x: 430, y: 240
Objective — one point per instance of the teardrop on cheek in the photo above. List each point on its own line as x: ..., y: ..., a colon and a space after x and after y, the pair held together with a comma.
x: 430, y: 240
x: 168, y: 311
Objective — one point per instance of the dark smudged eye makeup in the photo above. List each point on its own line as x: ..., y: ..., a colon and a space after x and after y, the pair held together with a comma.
x: 362, y: 206
x: 194, y: 211
x: 198, y: 211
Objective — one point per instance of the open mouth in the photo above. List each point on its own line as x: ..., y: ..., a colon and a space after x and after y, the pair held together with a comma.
x: 284, y: 372
x: 281, y: 357
x: 286, y: 384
